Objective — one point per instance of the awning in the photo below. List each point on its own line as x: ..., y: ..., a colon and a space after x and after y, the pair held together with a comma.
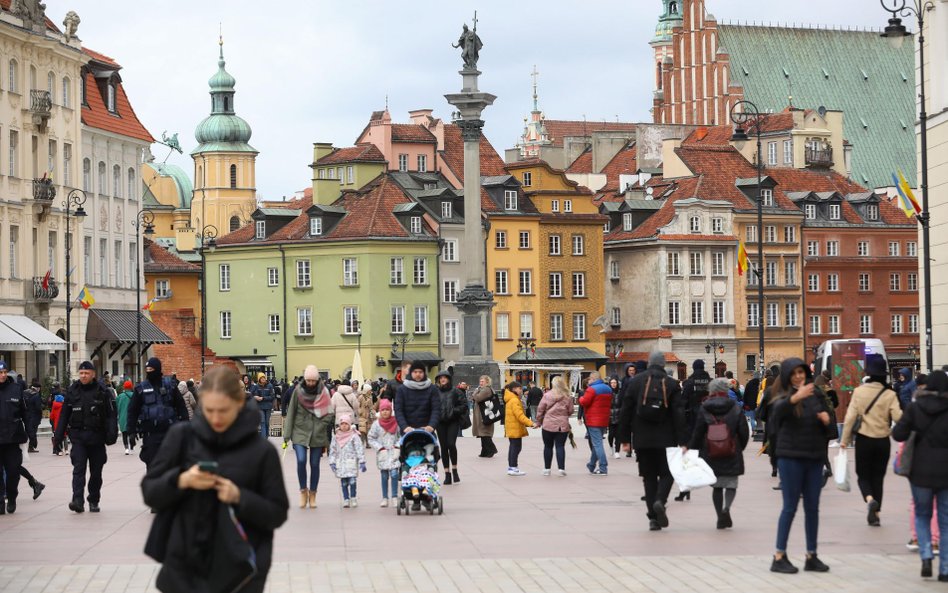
x: 27, y: 335
x: 558, y: 355
x: 121, y: 325
x: 425, y: 357
x: 252, y: 361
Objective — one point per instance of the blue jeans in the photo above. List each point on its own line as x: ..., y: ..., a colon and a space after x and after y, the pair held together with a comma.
x: 348, y: 488
x: 389, y: 476
x: 800, y: 476
x: 752, y: 416
x: 265, y: 423
x: 315, y: 454
x: 924, y: 499
x: 597, y: 451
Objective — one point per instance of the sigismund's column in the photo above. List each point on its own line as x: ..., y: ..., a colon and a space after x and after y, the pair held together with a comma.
x: 474, y: 300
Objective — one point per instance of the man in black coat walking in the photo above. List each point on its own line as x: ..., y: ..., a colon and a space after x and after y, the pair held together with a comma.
x: 34, y: 413
x: 12, y: 435
x: 417, y: 401
x: 695, y: 391
x: 155, y: 406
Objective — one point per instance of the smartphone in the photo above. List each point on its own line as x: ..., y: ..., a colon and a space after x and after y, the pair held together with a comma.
x: 211, y: 467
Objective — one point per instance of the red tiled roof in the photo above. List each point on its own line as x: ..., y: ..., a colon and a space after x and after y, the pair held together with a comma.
x: 638, y: 334
x: 95, y: 114
x: 292, y: 203
x: 558, y: 129
x: 623, y: 163
x: 713, y: 136
x: 686, y: 187
x: 774, y: 122
x: 161, y: 260
x: 583, y: 163
x: 453, y: 157
x: 665, y: 237
x: 636, y: 356
x: 100, y: 57
x: 360, y: 153
x: 412, y: 133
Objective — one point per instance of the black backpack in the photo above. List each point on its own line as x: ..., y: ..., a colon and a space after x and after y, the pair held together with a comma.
x: 158, y: 411
x: 654, y: 404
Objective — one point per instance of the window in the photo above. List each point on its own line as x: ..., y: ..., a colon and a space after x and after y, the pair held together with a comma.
x: 862, y: 249
x: 446, y: 210
x: 261, y: 229
x: 233, y: 176
x: 273, y: 323
x: 790, y: 273
x: 913, y: 323
x: 86, y: 175
x: 753, y: 314
x: 449, y: 252
x: 864, y: 282
x: 116, y: 181
x: 421, y: 319
x: 133, y: 270
x: 771, y: 153
x: 420, y: 271
x: 579, y: 326
x: 526, y: 282
x: 913, y: 282
x: 556, y: 327
x: 322, y: 174
x: 832, y: 248
x: 790, y: 314
x: 273, y: 276
x: 524, y: 239
x: 14, y: 151
x: 110, y: 97
x: 234, y: 223
x: 103, y: 189
x: 718, y: 316
x: 398, y: 319
x: 579, y: 247
x: 556, y: 284
x: 815, y: 328
x: 14, y: 77
x: 567, y: 206
x: 911, y: 249
x: 225, y: 325
x: 865, y: 324
x: 896, y: 324
x: 895, y: 282
x: 422, y: 163
x: 614, y: 269
x: 503, y: 326
x: 789, y: 234
x: 717, y: 263
x: 350, y: 271
x: 303, y: 276
x: 770, y: 273
x: 834, y: 211
x: 132, y: 182
x: 116, y: 262
x: 753, y: 278
x: 717, y: 225
x: 51, y: 158
x: 316, y: 226
x: 223, y: 277
x: 500, y: 240
x: 813, y: 283
x: 770, y: 234
x: 526, y: 325
x: 832, y: 282
x: 403, y: 162
x: 627, y: 221
x: 674, y: 263
x: 674, y: 313
x: 773, y: 310
x: 555, y: 245
x: 750, y: 362
x: 162, y: 289
x: 697, y: 312
x: 451, y: 334
x: 810, y: 211
x: 304, y: 321
x: 694, y: 224
x: 833, y: 324
x: 527, y: 178
x: 510, y: 199
x: 500, y: 282
x: 415, y: 225
x: 813, y: 248
x: 872, y: 212
x: 67, y: 93
x: 893, y: 248
x: 616, y: 317
x: 350, y: 174
x: 751, y: 233
x: 767, y: 195
x: 579, y: 285
x: 788, y: 152
x: 449, y: 291
x: 554, y: 205
x: 51, y: 253
x: 697, y: 263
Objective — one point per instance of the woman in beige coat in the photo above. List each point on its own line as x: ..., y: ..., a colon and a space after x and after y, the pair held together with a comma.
x: 485, y: 432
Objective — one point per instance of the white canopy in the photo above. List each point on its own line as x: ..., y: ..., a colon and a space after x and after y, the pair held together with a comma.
x: 32, y: 336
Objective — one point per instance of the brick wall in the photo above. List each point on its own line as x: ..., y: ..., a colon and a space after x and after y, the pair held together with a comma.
x: 183, y: 357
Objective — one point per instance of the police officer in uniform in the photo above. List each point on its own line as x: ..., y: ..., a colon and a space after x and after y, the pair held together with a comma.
x: 89, y: 414
x: 155, y: 406
x: 12, y: 435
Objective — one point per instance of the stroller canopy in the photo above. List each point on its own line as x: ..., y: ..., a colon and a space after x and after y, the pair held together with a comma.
x: 419, y: 439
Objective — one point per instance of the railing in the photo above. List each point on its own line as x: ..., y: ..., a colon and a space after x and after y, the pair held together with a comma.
x: 41, y: 103
x: 44, y: 190
x: 45, y: 294
x: 819, y: 156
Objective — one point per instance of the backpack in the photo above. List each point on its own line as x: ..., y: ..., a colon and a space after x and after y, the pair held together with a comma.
x: 158, y: 411
x: 720, y: 440
x: 654, y: 404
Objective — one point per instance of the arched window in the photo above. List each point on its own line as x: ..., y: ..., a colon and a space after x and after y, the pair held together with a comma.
x: 14, y: 76
x: 200, y: 177
x: 32, y: 78
x: 116, y: 181
x: 233, y: 176
x: 132, y: 193
x: 86, y: 175
x: 659, y: 75
x: 67, y: 98
x: 110, y: 97
x: 103, y: 189
x: 51, y: 86
x: 226, y: 104
x: 234, y: 223
x: 673, y: 8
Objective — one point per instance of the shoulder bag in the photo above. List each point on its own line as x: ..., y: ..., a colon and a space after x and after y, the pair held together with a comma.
x: 858, y: 422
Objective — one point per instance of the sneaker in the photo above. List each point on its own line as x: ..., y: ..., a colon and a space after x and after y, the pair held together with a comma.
x: 590, y: 468
x: 128, y: 451
x: 394, y: 501
x: 615, y: 455
x: 355, y: 502
x: 660, y: 515
x: 912, y: 545
x: 345, y: 504
x: 515, y: 471
x: 562, y: 473
x: 599, y: 472
x: 783, y: 566
x: 384, y: 503
x: 546, y: 472
x: 814, y: 564
x: 38, y: 488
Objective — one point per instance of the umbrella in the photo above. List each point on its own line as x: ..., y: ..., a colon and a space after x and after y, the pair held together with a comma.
x: 357, y: 373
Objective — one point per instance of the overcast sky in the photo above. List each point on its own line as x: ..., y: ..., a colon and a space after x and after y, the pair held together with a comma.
x: 313, y: 70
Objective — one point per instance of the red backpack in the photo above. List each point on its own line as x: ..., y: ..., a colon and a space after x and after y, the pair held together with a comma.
x: 720, y: 441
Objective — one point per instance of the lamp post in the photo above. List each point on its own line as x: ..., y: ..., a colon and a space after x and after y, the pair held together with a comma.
x: 614, y: 349
x: 743, y: 112
x: 896, y: 33
x: 208, y: 238
x: 359, y: 330
x: 75, y: 198
x: 713, y: 346
x: 403, y: 339
x: 145, y: 218
x: 527, y: 346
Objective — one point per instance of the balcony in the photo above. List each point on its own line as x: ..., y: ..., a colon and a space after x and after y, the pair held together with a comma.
x: 41, y: 105
x: 819, y: 157
x: 45, y: 295
x: 44, y: 190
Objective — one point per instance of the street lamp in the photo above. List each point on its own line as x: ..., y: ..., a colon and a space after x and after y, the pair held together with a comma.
x: 145, y: 218
x: 896, y: 33
x: 526, y: 346
x: 75, y: 198
x: 359, y: 330
x: 404, y: 339
x: 713, y: 346
x: 208, y: 237
x: 742, y: 113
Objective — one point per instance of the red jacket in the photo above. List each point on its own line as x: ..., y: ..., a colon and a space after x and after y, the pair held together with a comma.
x: 54, y: 413
x: 597, y: 404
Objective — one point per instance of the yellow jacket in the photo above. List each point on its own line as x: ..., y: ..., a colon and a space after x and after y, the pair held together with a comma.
x: 515, y: 421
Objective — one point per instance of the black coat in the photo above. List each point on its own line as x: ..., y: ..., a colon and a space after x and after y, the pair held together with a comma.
x: 797, y: 432
x: 244, y: 458
x: 927, y: 416
x: 453, y: 405
x: 81, y: 398
x: 695, y: 390
x: 670, y: 432
x: 750, y: 394
x: 12, y: 413
x: 138, y: 400
x: 534, y: 395
x: 729, y: 411
x: 34, y: 407
x: 417, y: 408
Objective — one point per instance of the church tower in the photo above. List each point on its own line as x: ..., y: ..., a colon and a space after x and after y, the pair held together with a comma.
x: 664, y: 51
x: 224, y: 163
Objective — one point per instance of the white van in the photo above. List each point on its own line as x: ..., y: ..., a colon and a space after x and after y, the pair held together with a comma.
x: 824, y: 354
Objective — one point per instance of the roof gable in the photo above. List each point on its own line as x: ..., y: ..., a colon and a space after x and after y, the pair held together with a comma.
x: 95, y: 112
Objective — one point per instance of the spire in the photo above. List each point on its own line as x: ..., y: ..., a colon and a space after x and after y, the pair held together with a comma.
x: 535, y: 74
x: 223, y: 128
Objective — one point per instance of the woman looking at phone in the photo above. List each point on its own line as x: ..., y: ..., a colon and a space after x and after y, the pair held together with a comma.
x: 205, y: 466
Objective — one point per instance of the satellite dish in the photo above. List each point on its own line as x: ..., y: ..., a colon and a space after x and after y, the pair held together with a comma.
x: 821, y: 110
x: 649, y: 191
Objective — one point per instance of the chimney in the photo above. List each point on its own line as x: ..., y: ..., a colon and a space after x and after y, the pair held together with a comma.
x: 672, y: 166
x: 420, y: 116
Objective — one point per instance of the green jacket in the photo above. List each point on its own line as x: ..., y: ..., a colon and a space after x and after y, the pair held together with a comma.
x: 121, y: 403
x: 304, y: 428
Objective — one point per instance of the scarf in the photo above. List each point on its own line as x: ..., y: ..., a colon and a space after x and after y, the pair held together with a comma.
x: 316, y: 402
x: 343, y: 437
x: 390, y: 425
x: 417, y: 385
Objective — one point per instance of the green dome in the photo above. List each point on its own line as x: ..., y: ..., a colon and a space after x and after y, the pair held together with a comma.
x: 223, y: 130
x: 221, y: 81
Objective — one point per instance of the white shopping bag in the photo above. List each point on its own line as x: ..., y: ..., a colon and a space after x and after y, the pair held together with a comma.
x: 841, y: 470
x: 689, y: 470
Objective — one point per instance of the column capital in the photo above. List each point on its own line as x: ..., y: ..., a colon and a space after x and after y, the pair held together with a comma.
x: 471, y: 129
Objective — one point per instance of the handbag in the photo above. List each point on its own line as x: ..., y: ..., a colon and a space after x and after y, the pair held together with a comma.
x: 491, y: 409
x: 858, y: 422
x: 233, y: 561
x: 902, y: 465
x: 464, y: 422
x: 156, y: 545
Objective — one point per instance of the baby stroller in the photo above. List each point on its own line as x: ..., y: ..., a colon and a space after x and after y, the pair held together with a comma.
x: 419, y: 484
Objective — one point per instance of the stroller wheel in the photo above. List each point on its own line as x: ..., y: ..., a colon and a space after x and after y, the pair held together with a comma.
x: 407, y: 508
x: 431, y: 509
x: 398, y: 510
x: 440, y: 506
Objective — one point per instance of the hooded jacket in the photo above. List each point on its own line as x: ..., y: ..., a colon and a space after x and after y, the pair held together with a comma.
x: 12, y: 413
x: 798, y: 432
x: 515, y: 421
x: 417, y: 404
x: 729, y: 411
x: 453, y: 401
x: 138, y: 401
x: 927, y: 416
x: 245, y: 459
x: 345, y: 401
x: 670, y: 432
x: 907, y: 391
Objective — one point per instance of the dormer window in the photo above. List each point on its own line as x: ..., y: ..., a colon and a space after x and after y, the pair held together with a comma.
x: 446, y: 210
x: 261, y: 228
x: 810, y: 211
x: 694, y: 225
x: 834, y: 211
x: 872, y: 212
x: 415, y: 225
x: 110, y: 97
x: 527, y: 178
x: 316, y: 226
x: 510, y: 199
x: 627, y: 221
x: 717, y: 225
x: 767, y: 195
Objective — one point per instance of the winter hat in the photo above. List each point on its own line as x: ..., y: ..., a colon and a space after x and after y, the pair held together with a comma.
x: 417, y: 366
x: 3, y: 365
x: 154, y: 363
x: 656, y: 358
x: 640, y: 366
x: 366, y: 388
x: 906, y: 373
x: 182, y: 387
x: 385, y: 404
x: 311, y: 373
x: 85, y: 365
x: 347, y: 418
x: 718, y: 386
x: 697, y: 365
x: 876, y: 366
x: 127, y: 384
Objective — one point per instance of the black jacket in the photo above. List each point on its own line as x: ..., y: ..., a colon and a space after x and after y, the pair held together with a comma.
x: 89, y: 414
x: 417, y: 407
x: 138, y: 400
x: 729, y: 411
x: 797, y: 432
x: 750, y: 394
x: 625, y: 379
x: 928, y: 417
x: 34, y: 407
x: 245, y: 459
x: 670, y: 432
x: 534, y: 395
x: 453, y: 405
x: 12, y: 413
x: 695, y: 389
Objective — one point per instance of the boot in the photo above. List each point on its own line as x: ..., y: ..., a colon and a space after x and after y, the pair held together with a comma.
x: 312, y: 499
x: 304, y: 498
x: 447, y: 477
x: 457, y: 478
x: 38, y: 488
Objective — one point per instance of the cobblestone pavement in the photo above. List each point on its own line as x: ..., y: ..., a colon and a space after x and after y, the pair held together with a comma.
x: 498, y: 534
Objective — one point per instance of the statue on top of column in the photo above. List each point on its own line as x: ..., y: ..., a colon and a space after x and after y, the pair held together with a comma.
x: 470, y: 45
